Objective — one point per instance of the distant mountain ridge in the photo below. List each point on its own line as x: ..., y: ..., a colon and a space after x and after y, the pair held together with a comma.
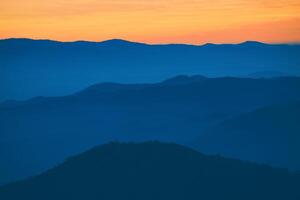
x: 154, y: 170
x: 120, y: 41
x: 31, y: 68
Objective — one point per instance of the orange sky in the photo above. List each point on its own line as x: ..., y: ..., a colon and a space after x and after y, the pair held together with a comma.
x: 153, y: 21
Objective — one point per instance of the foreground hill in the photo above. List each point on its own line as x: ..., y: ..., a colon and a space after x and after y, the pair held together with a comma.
x: 38, y: 133
x: 154, y: 170
x: 30, y: 68
x: 268, y: 135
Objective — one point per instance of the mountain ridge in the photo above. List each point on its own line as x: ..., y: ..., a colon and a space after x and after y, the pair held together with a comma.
x: 124, y: 41
x: 252, y: 132
x: 50, y: 68
x: 176, y: 112
x: 154, y: 170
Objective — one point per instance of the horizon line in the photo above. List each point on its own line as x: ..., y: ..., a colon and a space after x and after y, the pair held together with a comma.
x: 144, y: 43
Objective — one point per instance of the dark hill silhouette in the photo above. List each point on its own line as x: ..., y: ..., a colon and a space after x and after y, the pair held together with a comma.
x: 267, y: 135
x: 154, y: 170
x: 119, y: 42
x: 117, y: 87
x: 30, y: 68
x: 253, y: 44
x: 38, y: 133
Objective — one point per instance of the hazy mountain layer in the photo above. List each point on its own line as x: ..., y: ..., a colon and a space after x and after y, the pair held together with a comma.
x: 31, y: 68
x: 267, y: 135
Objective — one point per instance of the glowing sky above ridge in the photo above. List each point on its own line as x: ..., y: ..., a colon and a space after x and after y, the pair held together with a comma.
x: 153, y: 21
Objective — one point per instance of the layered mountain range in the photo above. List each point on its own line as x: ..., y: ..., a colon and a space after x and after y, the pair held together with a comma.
x: 244, y: 118
x: 30, y: 68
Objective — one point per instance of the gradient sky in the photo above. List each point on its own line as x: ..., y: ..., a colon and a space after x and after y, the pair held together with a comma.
x: 153, y: 21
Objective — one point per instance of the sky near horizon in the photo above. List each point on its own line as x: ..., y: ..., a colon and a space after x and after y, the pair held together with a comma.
x: 153, y: 21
